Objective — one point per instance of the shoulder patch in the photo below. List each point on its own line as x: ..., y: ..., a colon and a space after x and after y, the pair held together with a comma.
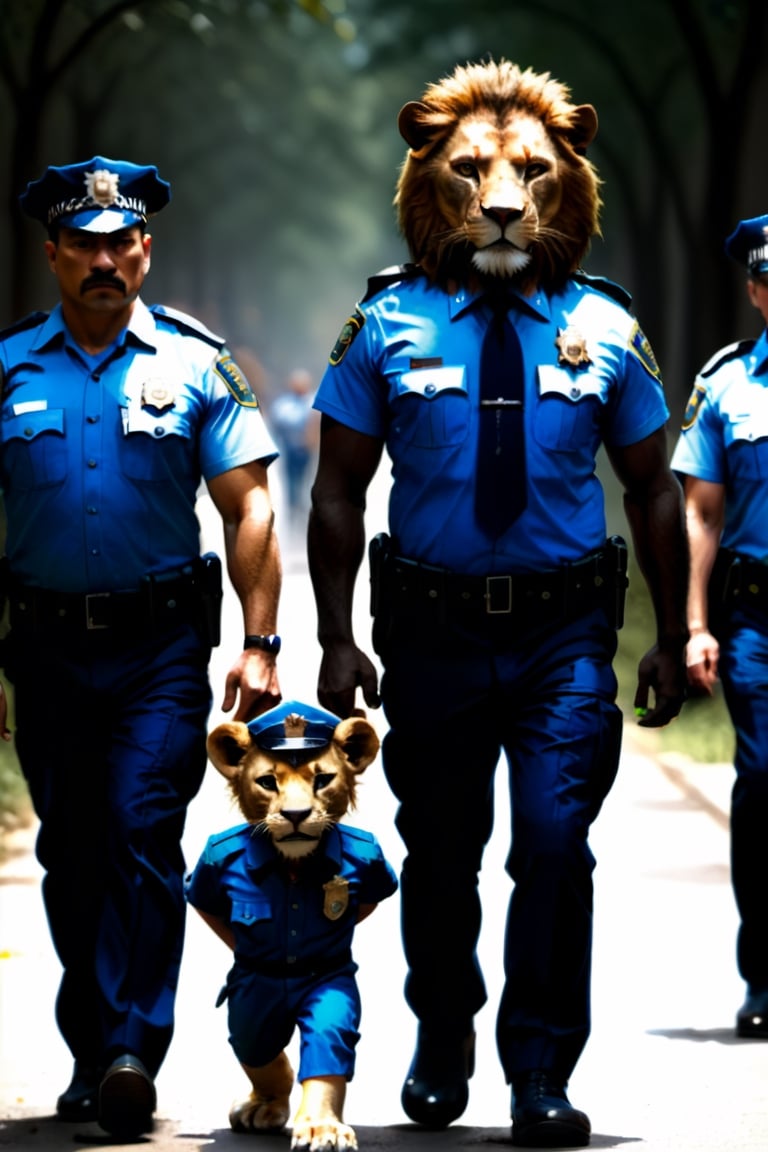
x: 227, y: 369
x: 33, y: 320
x: 638, y: 345
x: 730, y: 352
x: 389, y: 276
x: 694, y: 403
x: 186, y: 324
x: 346, y: 336
x: 607, y: 287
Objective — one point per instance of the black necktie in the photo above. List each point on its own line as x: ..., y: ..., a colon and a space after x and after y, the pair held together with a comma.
x: 500, y: 492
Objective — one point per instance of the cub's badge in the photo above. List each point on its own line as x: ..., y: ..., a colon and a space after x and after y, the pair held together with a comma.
x: 157, y: 393
x: 336, y: 898
x: 346, y: 336
x: 572, y: 347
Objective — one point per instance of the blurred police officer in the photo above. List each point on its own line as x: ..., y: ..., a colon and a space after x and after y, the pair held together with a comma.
x: 112, y: 413
x: 496, y: 626
x: 723, y: 455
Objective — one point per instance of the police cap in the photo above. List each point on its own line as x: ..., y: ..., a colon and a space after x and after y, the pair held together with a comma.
x: 293, y: 727
x: 98, y: 195
x: 748, y: 245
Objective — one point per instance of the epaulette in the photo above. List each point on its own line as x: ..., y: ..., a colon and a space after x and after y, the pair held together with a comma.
x: 607, y: 287
x: 33, y: 320
x: 225, y: 844
x: 730, y: 352
x: 357, y: 833
x: 189, y: 325
x: 389, y: 276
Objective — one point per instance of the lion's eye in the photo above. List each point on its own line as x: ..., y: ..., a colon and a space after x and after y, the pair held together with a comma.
x: 536, y: 168
x: 268, y: 783
x: 322, y: 780
x: 465, y: 168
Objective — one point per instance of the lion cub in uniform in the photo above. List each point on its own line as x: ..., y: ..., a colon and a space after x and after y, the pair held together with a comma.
x: 285, y: 891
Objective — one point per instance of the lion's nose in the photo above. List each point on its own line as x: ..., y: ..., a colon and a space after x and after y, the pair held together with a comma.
x: 296, y: 815
x: 502, y: 216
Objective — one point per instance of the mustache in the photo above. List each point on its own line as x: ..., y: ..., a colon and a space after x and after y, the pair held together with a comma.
x: 97, y: 279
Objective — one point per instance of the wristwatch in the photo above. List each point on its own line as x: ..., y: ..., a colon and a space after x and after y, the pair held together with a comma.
x: 271, y: 644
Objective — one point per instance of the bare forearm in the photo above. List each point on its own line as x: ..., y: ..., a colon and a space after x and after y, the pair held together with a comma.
x: 657, y: 524
x: 336, y: 549
x: 253, y: 564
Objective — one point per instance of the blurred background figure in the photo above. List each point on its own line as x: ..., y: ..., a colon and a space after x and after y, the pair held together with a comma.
x: 295, y: 427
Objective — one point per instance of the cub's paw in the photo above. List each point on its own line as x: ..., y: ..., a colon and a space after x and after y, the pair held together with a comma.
x: 323, y: 1136
x: 260, y: 1114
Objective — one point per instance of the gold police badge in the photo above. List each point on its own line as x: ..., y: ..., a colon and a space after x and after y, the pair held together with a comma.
x: 336, y: 897
x: 572, y: 347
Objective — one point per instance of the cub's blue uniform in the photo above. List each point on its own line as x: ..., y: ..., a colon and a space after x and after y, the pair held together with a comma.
x: 725, y: 441
x: 293, y: 962
x: 532, y: 677
x: 101, y: 458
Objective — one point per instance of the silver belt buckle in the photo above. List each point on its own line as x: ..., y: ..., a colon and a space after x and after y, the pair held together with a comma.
x: 89, y: 624
x: 506, y: 595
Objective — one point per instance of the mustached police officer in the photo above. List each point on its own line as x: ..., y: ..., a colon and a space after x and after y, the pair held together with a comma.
x: 722, y: 454
x: 112, y: 413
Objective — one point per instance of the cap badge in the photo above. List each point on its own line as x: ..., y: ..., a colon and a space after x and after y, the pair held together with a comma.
x: 336, y: 899
x: 157, y: 393
x: 572, y: 347
x: 102, y: 186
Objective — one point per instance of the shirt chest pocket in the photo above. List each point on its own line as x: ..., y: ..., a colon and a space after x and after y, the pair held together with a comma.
x: 34, y: 449
x: 568, y: 408
x: 252, y: 923
x: 155, y: 445
x: 431, y: 407
x: 747, y: 444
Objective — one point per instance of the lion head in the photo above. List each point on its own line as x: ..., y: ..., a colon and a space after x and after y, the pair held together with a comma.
x: 496, y: 182
x: 293, y: 770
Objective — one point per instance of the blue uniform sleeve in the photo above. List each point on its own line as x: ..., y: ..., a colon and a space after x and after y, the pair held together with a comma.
x: 350, y: 390
x: 202, y: 887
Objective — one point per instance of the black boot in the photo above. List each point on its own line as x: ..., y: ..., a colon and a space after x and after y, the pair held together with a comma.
x: 542, y: 1116
x: 80, y: 1101
x: 436, y: 1090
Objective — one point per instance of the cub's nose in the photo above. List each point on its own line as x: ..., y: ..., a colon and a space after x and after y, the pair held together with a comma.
x: 296, y: 815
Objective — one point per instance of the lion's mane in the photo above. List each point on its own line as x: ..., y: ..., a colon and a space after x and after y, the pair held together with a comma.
x: 498, y: 90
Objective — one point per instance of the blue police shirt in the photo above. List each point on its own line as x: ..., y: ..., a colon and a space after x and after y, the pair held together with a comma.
x: 242, y: 879
x: 406, y: 370
x: 101, y: 456
x: 724, y: 440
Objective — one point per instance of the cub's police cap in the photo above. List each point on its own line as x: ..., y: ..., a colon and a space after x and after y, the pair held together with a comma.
x: 748, y: 244
x: 99, y: 195
x: 293, y: 727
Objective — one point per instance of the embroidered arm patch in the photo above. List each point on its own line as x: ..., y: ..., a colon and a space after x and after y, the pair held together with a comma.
x: 693, y: 405
x: 346, y: 336
x: 237, y: 384
x: 639, y: 347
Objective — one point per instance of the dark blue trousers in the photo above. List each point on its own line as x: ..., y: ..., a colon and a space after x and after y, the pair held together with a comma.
x: 744, y: 674
x: 111, y: 740
x: 456, y: 696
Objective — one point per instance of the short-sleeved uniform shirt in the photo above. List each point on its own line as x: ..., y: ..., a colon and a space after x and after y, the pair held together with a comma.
x: 406, y: 369
x: 101, y: 456
x: 724, y: 440
x: 241, y: 878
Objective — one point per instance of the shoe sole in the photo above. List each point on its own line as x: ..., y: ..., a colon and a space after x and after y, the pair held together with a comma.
x: 550, y: 1134
x: 126, y: 1103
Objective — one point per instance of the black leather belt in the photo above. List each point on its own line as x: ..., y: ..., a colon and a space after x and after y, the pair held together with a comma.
x: 158, y: 605
x: 738, y: 578
x: 557, y: 589
x: 310, y: 966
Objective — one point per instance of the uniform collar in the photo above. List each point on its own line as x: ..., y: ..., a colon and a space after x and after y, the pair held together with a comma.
x: 759, y: 357
x: 141, y: 329
x: 538, y: 303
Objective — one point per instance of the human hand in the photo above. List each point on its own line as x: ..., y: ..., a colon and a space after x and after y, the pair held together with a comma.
x: 701, y: 657
x: 663, y: 670
x: 254, y: 676
x: 344, y: 668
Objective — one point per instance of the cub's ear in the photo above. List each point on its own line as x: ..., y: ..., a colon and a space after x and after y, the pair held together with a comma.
x: 226, y: 747
x: 357, y: 740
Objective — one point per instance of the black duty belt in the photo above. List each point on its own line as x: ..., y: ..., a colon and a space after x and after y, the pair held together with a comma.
x: 555, y: 590
x: 158, y: 605
x: 739, y: 579
x: 283, y: 969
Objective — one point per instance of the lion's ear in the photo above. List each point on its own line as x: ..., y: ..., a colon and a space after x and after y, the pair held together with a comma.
x: 358, y: 741
x: 418, y: 126
x: 226, y: 747
x: 582, y: 127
